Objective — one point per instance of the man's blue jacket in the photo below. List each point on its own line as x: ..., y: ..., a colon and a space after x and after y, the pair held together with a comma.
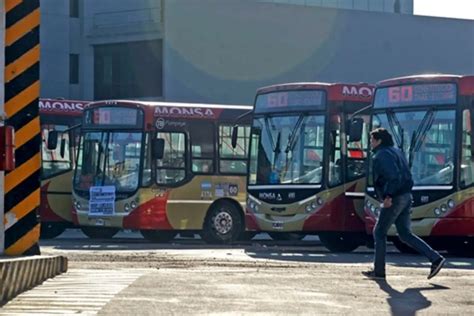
x: 391, y: 173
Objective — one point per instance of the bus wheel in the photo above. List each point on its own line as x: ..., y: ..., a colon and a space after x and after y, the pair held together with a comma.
x: 158, y: 236
x: 223, y: 224
x: 402, y: 247
x: 286, y: 236
x: 339, y: 242
x: 51, y: 230
x: 99, y: 232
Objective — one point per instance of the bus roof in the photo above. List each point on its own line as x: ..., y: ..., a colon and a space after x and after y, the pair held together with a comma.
x: 61, y: 107
x: 179, y: 110
x: 465, y: 82
x: 357, y: 92
x: 153, y: 104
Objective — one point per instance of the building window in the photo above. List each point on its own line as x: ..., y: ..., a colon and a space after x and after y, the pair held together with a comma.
x: 128, y: 70
x: 73, y: 68
x: 74, y: 8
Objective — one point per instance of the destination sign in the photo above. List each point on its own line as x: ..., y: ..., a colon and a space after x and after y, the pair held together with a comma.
x: 118, y: 116
x: 416, y: 94
x: 287, y: 101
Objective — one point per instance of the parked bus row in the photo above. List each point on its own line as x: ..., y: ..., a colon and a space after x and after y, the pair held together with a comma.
x: 293, y: 164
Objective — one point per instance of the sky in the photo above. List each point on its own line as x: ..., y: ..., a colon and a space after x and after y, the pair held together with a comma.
x: 461, y: 9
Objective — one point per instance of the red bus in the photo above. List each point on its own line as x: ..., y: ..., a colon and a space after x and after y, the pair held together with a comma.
x: 162, y: 168
x: 305, y: 175
x: 431, y: 119
x: 57, y: 164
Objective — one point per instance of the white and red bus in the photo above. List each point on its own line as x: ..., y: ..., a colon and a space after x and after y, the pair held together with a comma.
x: 161, y: 168
x: 431, y: 120
x: 57, y: 164
x: 305, y: 175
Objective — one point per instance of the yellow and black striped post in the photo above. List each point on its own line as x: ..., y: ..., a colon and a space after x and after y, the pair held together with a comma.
x: 22, y: 67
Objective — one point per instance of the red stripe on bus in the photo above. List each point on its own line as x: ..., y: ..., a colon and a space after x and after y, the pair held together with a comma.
x: 149, y: 215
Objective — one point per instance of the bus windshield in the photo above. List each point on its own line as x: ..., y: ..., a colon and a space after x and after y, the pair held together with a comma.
x: 427, y: 139
x: 109, y: 159
x: 287, y: 149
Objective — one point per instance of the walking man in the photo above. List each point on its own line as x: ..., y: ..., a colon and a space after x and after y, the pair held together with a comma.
x: 393, y: 183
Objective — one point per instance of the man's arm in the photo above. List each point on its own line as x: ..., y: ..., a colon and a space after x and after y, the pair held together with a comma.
x: 387, y: 166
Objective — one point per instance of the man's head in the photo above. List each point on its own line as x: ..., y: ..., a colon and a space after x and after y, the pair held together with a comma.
x: 380, y: 136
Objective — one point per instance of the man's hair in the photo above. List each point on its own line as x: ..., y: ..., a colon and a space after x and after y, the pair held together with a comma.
x: 382, y: 134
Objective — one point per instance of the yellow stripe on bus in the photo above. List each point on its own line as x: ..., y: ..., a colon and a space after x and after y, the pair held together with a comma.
x: 21, y: 100
x: 10, y: 4
x: 27, y: 132
x: 22, y: 209
x: 22, y: 172
x: 22, y: 64
x: 25, y: 242
x: 22, y: 27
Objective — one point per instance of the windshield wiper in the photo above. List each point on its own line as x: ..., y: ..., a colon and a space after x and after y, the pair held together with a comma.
x: 394, y: 122
x: 293, y: 137
x: 420, y: 133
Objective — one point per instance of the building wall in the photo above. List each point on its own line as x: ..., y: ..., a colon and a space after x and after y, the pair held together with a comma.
x: 404, y: 6
x: 99, y: 22
x: 222, y: 52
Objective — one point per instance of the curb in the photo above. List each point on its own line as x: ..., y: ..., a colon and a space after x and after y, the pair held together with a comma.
x: 20, y: 274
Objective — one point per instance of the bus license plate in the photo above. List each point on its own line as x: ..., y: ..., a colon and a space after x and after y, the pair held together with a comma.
x: 99, y: 222
x: 277, y: 225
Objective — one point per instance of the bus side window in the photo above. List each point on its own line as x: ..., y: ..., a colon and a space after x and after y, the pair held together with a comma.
x: 233, y: 160
x: 202, y: 147
x: 467, y: 165
x: 356, y: 154
x: 53, y: 162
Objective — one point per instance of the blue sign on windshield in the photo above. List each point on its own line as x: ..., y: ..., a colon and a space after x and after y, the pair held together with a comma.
x: 288, y: 101
x: 416, y: 94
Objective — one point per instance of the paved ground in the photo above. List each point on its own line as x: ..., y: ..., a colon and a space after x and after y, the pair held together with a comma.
x: 127, y: 276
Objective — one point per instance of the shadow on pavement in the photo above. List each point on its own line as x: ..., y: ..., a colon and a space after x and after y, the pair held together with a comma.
x: 410, y: 301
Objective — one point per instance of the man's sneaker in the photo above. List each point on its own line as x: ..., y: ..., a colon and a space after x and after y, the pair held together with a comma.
x: 372, y: 275
x: 436, y: 266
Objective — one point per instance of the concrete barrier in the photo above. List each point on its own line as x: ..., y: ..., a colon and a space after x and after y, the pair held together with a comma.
x: 23, y: 273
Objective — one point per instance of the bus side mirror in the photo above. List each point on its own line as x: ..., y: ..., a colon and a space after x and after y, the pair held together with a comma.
x: 158, y: 148
x: 235, y: 132
x: 52, y: 143
x: 62, y: 150
x: 355, y: 128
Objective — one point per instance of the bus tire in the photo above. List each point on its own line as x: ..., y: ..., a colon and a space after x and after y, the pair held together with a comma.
x: 223, y: 224
x: 402, y: 247
x: 286, y: 236
x: 339, y: 242
x: 158, y: 236
x: 50, y: 230
x: 99, y: 232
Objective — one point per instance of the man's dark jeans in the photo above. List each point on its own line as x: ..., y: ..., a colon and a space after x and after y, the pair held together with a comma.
x: 398, y: 213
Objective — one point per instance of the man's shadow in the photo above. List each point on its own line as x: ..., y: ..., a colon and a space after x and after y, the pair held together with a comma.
x: 410, y: 301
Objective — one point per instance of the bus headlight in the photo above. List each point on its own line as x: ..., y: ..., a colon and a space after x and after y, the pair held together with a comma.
x: 313, y: 205
x: 377, y: 212
x: 126, y: 208
x: 372, y: 209
x: 320, y: 201
x: 444, y: 208
x: 437, y: 211
x: 133, y: 205
x: 368, y: 204
x: 77, y: 204
x: 308, y: 208
x: 451, y: 204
